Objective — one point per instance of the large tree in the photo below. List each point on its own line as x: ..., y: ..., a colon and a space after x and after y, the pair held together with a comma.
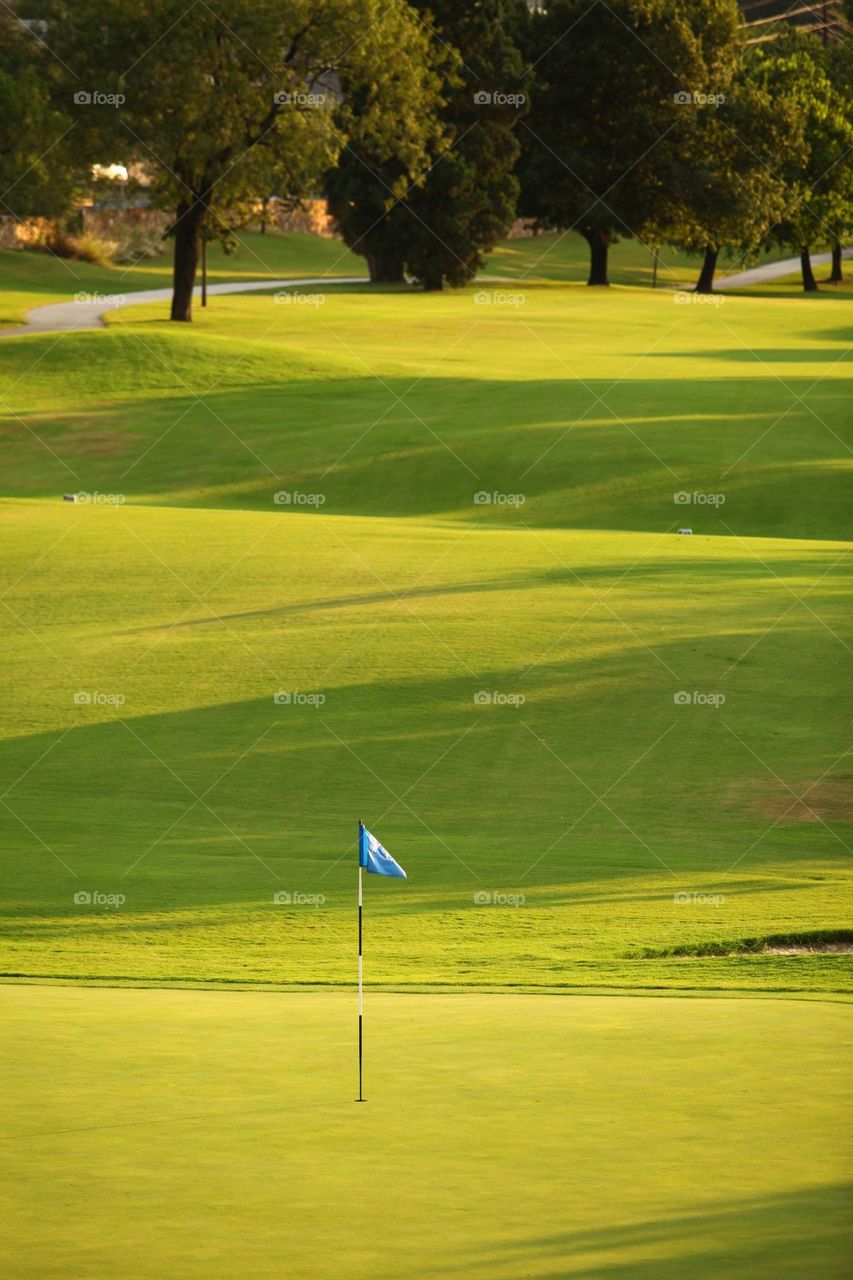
x: 468, y: 199
x: 731, y: 193
x: 376, y: 169
x: 840, y: 68
x: 617, y: 86
x: 211, y: 97
x: 813, y: 80
x: 439, y: 219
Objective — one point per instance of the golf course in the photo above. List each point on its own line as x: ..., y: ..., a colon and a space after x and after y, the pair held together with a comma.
x: 348, y: 551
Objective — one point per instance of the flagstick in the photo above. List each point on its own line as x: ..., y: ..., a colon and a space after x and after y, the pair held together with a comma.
x: 360, y: 1097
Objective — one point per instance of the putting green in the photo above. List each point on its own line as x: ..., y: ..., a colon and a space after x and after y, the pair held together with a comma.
x: 211, y: 1134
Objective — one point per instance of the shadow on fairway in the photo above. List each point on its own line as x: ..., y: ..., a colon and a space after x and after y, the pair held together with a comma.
x: 588, y: 454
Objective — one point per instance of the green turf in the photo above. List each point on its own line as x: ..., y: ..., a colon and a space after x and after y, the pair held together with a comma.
x: 597, y: 407
x: 213, y: 1134
x: 399, y: 599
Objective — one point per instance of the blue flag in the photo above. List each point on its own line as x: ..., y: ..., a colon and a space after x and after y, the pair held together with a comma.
x: 374, y: 858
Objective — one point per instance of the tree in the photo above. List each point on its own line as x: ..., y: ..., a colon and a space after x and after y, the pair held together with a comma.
x: 468, y: 199
x: 38, y: 173
x: 439, y: 221
x: 799, y: 69
x: 617, y: 86
x: 213, y: 96
x: 731, y: 194
x: 376, y: 168
x: 840, y: 67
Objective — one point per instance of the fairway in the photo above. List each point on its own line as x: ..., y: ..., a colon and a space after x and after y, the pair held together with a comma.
x: 598, y: 741
x: 222, y: 1127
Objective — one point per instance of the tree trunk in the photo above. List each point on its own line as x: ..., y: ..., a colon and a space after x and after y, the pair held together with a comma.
x: 187, y: 242
x: 809, y: 282
x: 385, y: 268
x: 598, y: 243
x: 705, y: 283
x: 836, y: 275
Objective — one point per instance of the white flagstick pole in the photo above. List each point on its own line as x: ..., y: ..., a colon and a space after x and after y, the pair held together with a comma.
x: 360, y: 1097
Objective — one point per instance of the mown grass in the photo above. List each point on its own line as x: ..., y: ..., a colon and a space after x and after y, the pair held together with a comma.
x: 398, y: 599
x: 605, y: 1138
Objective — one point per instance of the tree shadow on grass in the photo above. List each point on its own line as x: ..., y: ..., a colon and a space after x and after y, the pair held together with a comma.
x: 574, y: 461
x: 790, y: 1236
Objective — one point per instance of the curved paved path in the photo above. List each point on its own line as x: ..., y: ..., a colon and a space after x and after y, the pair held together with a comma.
x: 61, y: 317
x: 773, y: 271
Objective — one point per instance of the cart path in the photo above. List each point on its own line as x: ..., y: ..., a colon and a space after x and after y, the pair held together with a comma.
x: 88, y: 311
x: 773, y: 271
